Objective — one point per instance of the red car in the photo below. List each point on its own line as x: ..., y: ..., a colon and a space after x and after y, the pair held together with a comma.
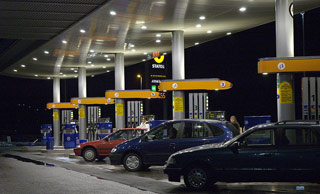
x: 100, y: 149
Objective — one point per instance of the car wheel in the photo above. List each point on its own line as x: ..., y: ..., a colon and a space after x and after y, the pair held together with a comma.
x: 89, y: 154
x: 197, y: 178
x: 100, y: 158
x: 132, y: 162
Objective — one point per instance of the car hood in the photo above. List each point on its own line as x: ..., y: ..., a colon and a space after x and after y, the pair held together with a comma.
x: 200, y: 148
x: 91, y: 142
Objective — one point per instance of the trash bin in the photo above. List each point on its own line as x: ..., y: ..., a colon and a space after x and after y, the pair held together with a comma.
x: 50, y: 143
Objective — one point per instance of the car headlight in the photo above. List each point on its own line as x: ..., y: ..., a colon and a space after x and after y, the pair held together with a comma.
x: 78, y: 146
x: 171, y: 160
x: 113, y: 150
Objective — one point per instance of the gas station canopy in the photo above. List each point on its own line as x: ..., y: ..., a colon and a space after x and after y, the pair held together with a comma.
x: 42, y: 31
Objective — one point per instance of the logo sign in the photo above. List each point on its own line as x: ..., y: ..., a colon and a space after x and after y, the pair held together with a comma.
x: 156, y: 58
x: 79, y: 101
x: 116, y: 95
x: 174, y: 85
x: 281, y: 66
x: 68, y: 138
x: 109, y: 100
x: 223, y: 84
x: 53, y: 105
x: 153, y: 94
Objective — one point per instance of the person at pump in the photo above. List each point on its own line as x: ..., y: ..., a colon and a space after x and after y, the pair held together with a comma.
x: 235, y: 123
x: 144, y: 124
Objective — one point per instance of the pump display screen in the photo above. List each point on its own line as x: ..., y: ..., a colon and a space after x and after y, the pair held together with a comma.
x: 45, y: 130
x: 68, y: 131
x: 104, y: 131
x: 126, y: 134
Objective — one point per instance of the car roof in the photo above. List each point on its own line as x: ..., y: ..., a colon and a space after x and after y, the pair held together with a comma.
x: 123, y: 129
x: 198, y: 120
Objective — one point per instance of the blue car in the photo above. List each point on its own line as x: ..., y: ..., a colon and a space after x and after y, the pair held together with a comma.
x: 155, y: 147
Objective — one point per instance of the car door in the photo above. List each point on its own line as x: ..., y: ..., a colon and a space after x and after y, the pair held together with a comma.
x: 159, y: 144
x: 194, y: 134
x: 300, y: 153
x: 253, y: 160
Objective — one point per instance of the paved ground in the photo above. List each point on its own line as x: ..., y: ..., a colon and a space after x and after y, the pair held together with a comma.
x: 37, y: 172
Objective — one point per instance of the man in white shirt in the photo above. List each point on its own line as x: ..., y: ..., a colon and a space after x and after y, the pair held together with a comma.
x: 144, y: 124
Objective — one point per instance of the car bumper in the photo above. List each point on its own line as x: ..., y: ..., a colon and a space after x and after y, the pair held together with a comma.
x: 77, y: 151
x: 115, y: 159
x: 174, y: 174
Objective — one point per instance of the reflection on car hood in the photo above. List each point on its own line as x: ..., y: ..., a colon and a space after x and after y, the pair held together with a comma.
x: 200, y: 148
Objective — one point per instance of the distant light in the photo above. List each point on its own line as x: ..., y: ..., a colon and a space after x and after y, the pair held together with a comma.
x: 216, y: 89
x: 196, y: 43
x: 103, y: 67
x: 158, y: 41
x: 36, y: 75
x: 15, y: 70
x: 209, y: 31
x: 198, y: 26
x: 138, y: 75
x: 60, y: 73
x: 106, y: 56
x: 264, y: 73
x: 48, y: 77
x: 229, y: 33
x: 46, y: 52
x: 143, y: 59
x: 75, y: 76
x: 108, y: 59
x: 82, y: 31
x: 143, y: 27
x: 133, y: 50
x: 59, y: 65
x: 108, y: 71
x: 158, y: 35
x: 64, y: 42
x: 132, y: 45
x: 92, y: 65
x: 23, y: 66
x: 64, y: 75
x: 99, y: 40
x: 92, y: 75
x: 91, y: 51
x: 164, y: 53
x: 145, y: 53
x: 242, y: 9
x: 75, y: 71
x: 35, y: 59
x: 113, y: 13
x: 140, y: 22
x: 72, y: 69
x: 89, y: 62
x: 202, y: 17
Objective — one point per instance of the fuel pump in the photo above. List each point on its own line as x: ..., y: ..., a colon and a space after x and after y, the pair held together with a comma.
x: 198, y: 105
x: 66, y: 118
x: 135, y: 111
x: 70, y: 135
x: 94, y: 113
x: 46, y: 132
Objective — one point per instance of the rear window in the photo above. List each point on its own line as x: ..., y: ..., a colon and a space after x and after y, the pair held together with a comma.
x: 216, y: 131
x: 234, y: 130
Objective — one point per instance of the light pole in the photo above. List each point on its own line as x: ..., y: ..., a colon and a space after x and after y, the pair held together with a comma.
x: 139, y: 76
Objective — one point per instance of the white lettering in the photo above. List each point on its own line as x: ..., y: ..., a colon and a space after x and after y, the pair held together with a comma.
x: 158, y: 66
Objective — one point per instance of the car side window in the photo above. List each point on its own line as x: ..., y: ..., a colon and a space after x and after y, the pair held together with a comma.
x: 168, y: 131
x: 265, y: 137
x: 200, y: 130
x: 215, y: 130
x: 300, y: 136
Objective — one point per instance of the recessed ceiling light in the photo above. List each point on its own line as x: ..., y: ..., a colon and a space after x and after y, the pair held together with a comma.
x: 202, y: 17
x: 242, y: 9
x: 145, y: 53
x: 92, y: 75
x: 143, y: 27
x: 158, y: 41
x: 164, y: 53
x: 15, y: 70
x: 209, y: 31
x: 264, y: 73
x: 131, y: 45
x: 106, y: 56
x: 143, y: 59
x: 82, y: 31
x: 113, y: 13
x: 72, y: 69
x: 198, y: 26
x: 36, y: 75
x: 92, y: 65
x: 196, y: 43
x: 75, y: 71
x: 64, y: 75
x: 46, y: 52
x: 89, y: 62
x: 229, y: 33
x: 158, y: 35
x: 133, y: 50
x: 59, y: 65
x: 75, y: 76
x: 91, y: 51
x: 216, y: 89
x: 108, y: 71
x: 103, y: 67
x: 48, y: 77
x: 60, y: 73
x: 64, y: 42
x: 35, y: 59
x: 23, y: 65
x: 108, y: 59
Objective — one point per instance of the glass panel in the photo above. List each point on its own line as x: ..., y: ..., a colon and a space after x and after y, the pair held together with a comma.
x: 200, y: 130
x: 215, y: 130
x: 301, y: 137
x: 260, y: 137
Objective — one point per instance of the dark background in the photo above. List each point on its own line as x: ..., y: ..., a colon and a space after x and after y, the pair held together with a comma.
x: 233, y: 58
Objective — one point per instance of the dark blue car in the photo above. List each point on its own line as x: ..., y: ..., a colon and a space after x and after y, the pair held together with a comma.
x: 285, y: 151
x: 155, y: 147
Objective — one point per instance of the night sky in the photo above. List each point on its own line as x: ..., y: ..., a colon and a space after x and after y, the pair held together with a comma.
x: 233, y: 58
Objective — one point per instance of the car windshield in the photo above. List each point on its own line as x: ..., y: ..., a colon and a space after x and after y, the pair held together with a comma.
x: 125, y: 134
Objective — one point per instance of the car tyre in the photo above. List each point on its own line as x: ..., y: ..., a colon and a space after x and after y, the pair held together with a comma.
x: 89, y: 154
x: 132, y: 162
x: 198, y: 178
